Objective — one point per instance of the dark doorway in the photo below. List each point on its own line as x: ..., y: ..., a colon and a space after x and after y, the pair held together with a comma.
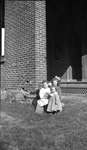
x: 63, y: 44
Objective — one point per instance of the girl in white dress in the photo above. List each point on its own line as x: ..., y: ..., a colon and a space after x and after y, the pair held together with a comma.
x: 44, y: 95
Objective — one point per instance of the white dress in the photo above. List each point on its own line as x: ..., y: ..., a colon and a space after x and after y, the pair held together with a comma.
x: 44, y: 93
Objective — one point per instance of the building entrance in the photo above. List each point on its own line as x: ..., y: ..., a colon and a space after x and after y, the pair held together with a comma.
x: 63, y: 43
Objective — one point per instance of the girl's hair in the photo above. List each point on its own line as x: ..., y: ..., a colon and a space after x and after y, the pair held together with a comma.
x: 54, y: 79
x: 44, y: 81
x: 58, y: 81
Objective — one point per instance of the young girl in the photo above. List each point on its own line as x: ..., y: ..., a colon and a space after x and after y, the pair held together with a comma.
x: 56, y: 83
x: 44, y: 95
x: 54, y: 103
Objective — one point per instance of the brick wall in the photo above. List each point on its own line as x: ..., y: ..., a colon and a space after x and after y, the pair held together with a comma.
x: 40, y: 41
x: 25, y: 44
x: 2, y: 76
x: 19, y: 43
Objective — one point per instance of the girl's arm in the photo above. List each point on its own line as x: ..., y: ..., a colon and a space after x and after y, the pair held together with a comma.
x: 41, y: 94
x: 59, y: 92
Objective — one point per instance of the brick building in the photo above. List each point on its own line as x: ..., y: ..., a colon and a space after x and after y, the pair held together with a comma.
x: 43, y: 39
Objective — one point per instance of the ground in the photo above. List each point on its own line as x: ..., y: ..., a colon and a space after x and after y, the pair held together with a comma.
x: 22, y: 129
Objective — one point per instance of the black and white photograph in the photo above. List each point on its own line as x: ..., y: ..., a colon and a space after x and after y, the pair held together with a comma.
x: 43, y: 72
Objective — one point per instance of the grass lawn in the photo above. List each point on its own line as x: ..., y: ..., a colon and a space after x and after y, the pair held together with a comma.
x: 22, y: 129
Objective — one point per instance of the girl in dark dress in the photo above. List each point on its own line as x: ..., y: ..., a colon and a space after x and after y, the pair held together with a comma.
x: 55, y: 104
